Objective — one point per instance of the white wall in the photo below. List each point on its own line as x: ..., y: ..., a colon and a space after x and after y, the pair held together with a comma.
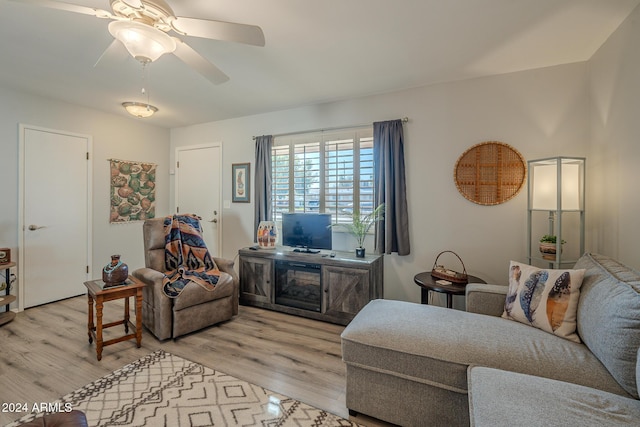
x: 113, y: 137
x: 545, y: 112
x: 541, y: 113
x: 615, y: 127
x: 584, y: 109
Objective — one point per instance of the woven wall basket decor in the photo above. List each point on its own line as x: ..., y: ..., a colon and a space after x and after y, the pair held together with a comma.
x: 490, y: 173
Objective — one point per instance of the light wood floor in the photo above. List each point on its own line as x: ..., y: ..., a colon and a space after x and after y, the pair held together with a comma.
x: 45, y: 354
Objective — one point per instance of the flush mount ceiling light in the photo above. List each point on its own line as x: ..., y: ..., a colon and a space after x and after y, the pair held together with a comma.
x: 139, y: 109
x: 144, y: 43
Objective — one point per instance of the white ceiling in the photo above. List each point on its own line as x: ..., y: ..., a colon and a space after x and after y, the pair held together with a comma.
x: 316, y: 51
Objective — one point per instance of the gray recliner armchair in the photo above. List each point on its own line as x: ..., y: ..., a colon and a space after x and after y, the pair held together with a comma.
x: 195, y: 308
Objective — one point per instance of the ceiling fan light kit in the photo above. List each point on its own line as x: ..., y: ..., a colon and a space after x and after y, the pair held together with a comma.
x: 142, y: 26
x: 139, y: 109
x: 144, y: 43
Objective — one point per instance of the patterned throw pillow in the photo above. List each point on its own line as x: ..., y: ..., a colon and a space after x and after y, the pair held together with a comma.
x: 544, y: 299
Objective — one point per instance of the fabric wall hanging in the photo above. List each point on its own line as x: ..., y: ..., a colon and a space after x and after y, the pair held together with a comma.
x: 490, y: 173
x: 133, y: 191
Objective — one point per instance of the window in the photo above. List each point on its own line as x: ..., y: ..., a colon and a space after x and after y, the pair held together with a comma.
x: 324, y: 172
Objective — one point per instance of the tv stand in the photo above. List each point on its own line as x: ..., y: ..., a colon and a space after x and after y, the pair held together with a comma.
x: 307, y: 251
x: 341, y: 284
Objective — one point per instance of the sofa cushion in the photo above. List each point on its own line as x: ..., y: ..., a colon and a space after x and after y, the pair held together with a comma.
x: 435, y: 345
x: 544, y: 298
x: 499, y: 398
x: 609, y: 316
x: 194, y: 294
x: 153, y: 233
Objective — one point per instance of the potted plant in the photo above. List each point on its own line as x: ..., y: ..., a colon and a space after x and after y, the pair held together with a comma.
x: 360, y: 226
x: 548, y: 244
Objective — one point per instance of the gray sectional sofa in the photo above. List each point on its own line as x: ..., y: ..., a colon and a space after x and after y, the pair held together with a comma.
x: 419, y: 365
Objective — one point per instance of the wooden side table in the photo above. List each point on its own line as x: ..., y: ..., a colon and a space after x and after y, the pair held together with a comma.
x: 96, y: 293
x: 428, y: 283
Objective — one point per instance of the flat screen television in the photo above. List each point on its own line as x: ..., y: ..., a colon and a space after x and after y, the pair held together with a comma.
x: 306, y: 230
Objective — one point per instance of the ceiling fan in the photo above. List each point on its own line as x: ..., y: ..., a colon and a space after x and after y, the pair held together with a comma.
x: 143, y: 26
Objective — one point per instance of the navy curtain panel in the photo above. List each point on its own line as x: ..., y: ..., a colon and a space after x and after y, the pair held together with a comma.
x: 263, y: 210
x: 392, y: 234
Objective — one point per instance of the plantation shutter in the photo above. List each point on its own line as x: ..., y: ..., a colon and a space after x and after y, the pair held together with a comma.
x: 328, y: 172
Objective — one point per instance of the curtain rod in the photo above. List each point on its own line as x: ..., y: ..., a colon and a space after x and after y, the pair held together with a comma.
x: 404, y: 120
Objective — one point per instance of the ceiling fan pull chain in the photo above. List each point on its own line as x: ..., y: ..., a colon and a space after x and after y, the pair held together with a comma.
x: 142, y: 77
x: 148, y: 79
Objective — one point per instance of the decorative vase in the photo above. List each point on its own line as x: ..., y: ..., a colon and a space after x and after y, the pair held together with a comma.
x: 267, y: 235
x: 116, y: 272
x: 360, y: 252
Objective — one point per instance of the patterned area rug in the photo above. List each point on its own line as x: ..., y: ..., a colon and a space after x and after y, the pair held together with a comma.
x: 165, y: 390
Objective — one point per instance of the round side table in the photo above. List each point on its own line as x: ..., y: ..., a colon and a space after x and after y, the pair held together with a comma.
x: 428, y: 283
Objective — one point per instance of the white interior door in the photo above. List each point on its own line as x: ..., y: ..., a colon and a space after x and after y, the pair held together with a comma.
x: 55, y: 221
x: 198, y: 189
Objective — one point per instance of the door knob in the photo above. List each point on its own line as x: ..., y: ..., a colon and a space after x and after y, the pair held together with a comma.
x: 214, y: 220
x: 34, y: 227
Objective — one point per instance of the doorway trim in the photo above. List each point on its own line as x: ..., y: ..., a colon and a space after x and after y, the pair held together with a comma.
x: 22, y: 128
x: 220, y: 180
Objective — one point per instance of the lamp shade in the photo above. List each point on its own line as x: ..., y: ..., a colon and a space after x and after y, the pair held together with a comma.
x: 550, y: 176
x: 144, y: 42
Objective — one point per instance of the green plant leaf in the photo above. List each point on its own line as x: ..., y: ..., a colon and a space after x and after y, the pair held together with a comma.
x: 549, y: 238
x: 360, y: 225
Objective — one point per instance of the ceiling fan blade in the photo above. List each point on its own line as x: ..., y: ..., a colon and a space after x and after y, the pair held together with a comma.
x: 69, y: 7
x: 196, y: 61
x: 116, y: 52
x: 219, y: 30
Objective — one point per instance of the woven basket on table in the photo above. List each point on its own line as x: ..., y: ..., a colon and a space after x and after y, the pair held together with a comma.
x: 453, y: 276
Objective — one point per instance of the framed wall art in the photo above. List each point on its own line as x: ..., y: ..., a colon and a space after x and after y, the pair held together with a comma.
x: 241, y: 184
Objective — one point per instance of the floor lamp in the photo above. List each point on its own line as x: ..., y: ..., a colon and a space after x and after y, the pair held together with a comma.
x: 556, y: 186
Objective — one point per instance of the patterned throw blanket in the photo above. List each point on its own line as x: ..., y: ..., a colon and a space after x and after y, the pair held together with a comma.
x: 186, y: 257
